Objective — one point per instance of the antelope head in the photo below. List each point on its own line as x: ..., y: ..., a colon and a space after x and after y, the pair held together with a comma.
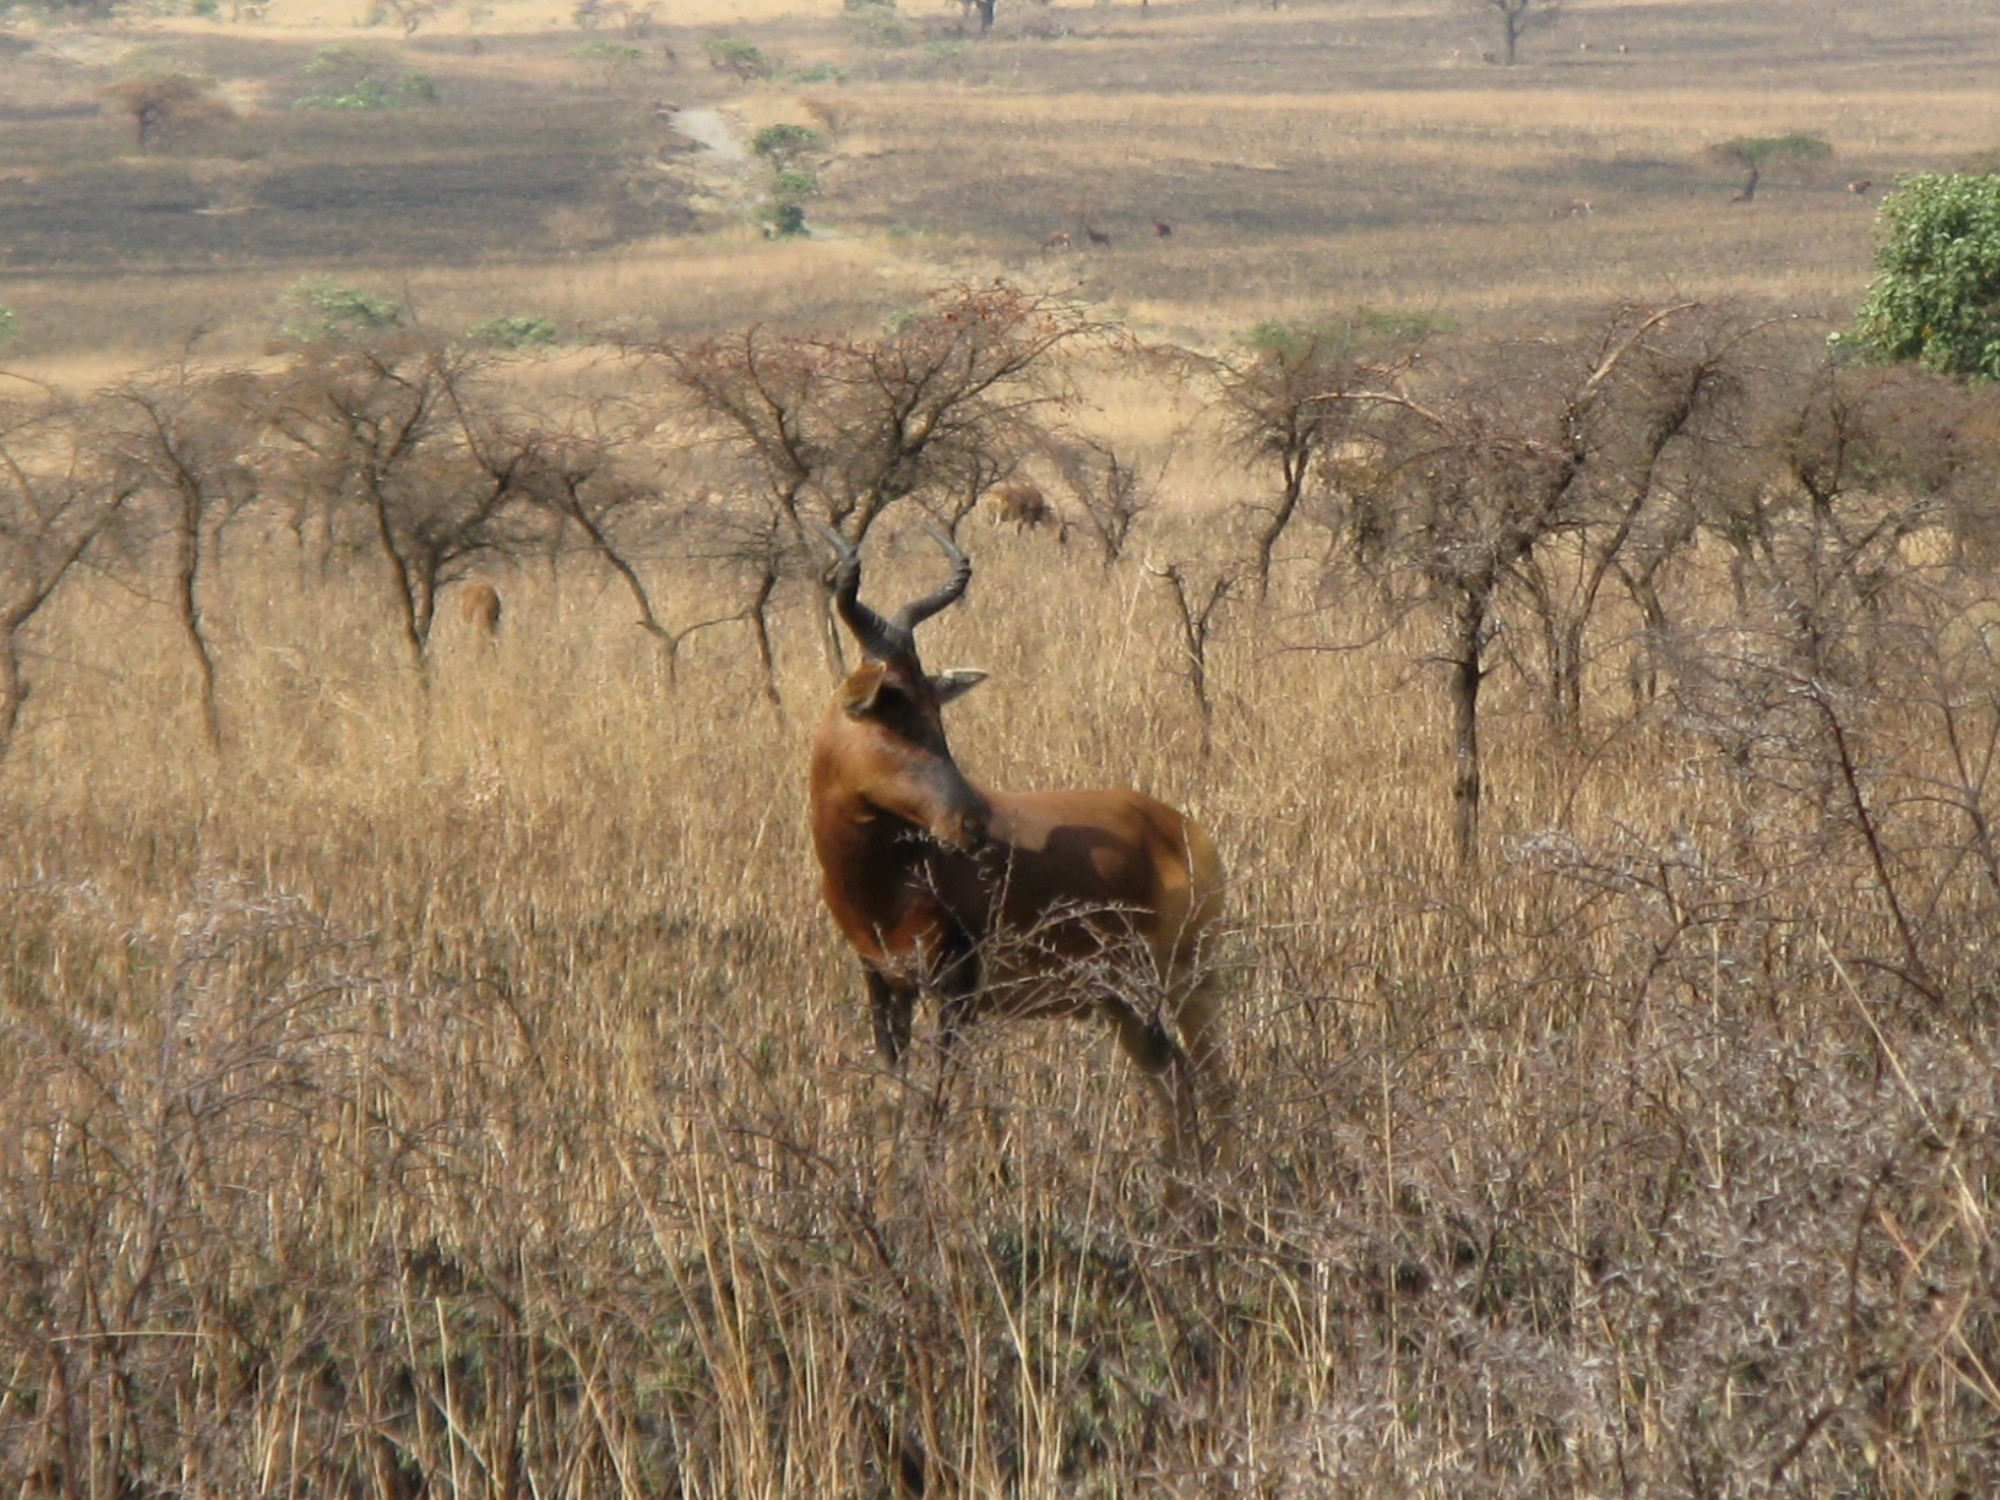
x: 886, y: 733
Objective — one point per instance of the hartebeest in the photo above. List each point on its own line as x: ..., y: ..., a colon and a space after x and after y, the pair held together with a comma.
x: 1007, y: 903
x: 479, y: 607
x: 1020, y: 503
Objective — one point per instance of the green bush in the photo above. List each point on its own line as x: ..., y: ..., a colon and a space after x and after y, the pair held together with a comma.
x: 1357, y: 333
x: 782, y: 143
x: 514, y: 333
x: 349, y: 77
x: 733, y: 55
x: 324, y: 311
x: 787, y: 219
x: 795, y: 186
x: 818, y: 73
x: 1936, y: 295
x: 876, y: 23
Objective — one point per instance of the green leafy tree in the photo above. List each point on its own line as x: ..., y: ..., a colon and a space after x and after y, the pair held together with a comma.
x: 1936, y: 299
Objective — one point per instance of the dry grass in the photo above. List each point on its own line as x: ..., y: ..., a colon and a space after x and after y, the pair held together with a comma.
x: 460, y: 1089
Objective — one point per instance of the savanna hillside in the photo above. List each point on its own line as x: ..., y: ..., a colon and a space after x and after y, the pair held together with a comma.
x: 427, y: 1068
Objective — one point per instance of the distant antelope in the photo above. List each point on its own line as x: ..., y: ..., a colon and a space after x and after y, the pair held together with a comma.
x: 1576, y: 208
x: 479, y: 607
x: 1749, y: 189
x: 1052, y: 903
x: 1096, y: 236
x: 1860, y: 185
x: 1022, y: 505
x: 1162, y: 229
x: 1057, y: 241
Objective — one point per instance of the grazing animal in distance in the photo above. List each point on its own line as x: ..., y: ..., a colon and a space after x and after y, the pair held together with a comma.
x: 1052, y: 903
x: 1576, y: 208
x: 1096, y: 236
x: 1748, y: 190
x: 1022, y: 505
x: 1057, y: 241
x: 479, y: 607
x: 1162, y: 229
x: 1860, y: 185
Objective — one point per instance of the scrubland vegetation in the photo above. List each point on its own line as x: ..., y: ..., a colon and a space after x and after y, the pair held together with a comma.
x: 425, y: 1067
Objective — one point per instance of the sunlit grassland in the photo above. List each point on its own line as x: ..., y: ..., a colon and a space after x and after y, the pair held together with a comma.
x: 1314, y: 158
x: 455, y: 1085
x: 502, y: 1102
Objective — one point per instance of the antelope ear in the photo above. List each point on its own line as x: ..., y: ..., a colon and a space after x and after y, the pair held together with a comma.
x: 956, y: 682
x: 859, y: 692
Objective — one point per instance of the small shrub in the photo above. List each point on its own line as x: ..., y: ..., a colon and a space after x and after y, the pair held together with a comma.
x: 1359, y: 332
x: 795, y: 186
x: 746, y: 60
x: 356, y: 78
x: 818, y: 73
x: 787, y: 220
x: 9, y: 324
x: 514, y: 333
x: 610, y: 62
x: 784, y: 143
x: 876, y: 23
x: 326, y: 311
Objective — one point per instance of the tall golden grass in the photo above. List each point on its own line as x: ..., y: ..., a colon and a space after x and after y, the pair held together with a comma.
x: 456, y: 1089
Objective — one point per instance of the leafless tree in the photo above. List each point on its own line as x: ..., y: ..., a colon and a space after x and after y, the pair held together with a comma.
x: 1289, y: 407
x: 56, y: 500
x: 1670, y: 381
x: 1518, y: 18
x: 1526, y: 473
x: 176, y: 434
x: 1111, y: 491
x: 392, y: 429
x: 1847, y: 662
x: 1197, y: 612
x: 835, y: 431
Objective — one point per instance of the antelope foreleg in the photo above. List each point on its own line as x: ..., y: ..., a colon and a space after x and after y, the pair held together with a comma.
x: 891, y: 1007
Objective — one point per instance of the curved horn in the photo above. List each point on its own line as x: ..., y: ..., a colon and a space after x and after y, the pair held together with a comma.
x: 879, y: 638
x: 913, y: 614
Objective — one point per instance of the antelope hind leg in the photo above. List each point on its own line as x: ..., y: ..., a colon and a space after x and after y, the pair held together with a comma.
x: 1170, y: 1071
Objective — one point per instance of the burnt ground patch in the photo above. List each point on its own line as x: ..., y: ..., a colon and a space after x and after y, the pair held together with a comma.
x: 454, y: 183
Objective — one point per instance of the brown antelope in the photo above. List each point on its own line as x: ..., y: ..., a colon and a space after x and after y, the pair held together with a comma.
x: 1022, y: 505
x: 1057, y: 241
x: 1006, y: 903
x: 479, y: 607
x: 1860, y: 185
x: 1748, y: 191
x: 1096, y: 236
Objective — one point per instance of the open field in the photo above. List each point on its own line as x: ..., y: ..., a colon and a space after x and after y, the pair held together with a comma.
x: 1320, y: 156
x: 426, y: 1066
